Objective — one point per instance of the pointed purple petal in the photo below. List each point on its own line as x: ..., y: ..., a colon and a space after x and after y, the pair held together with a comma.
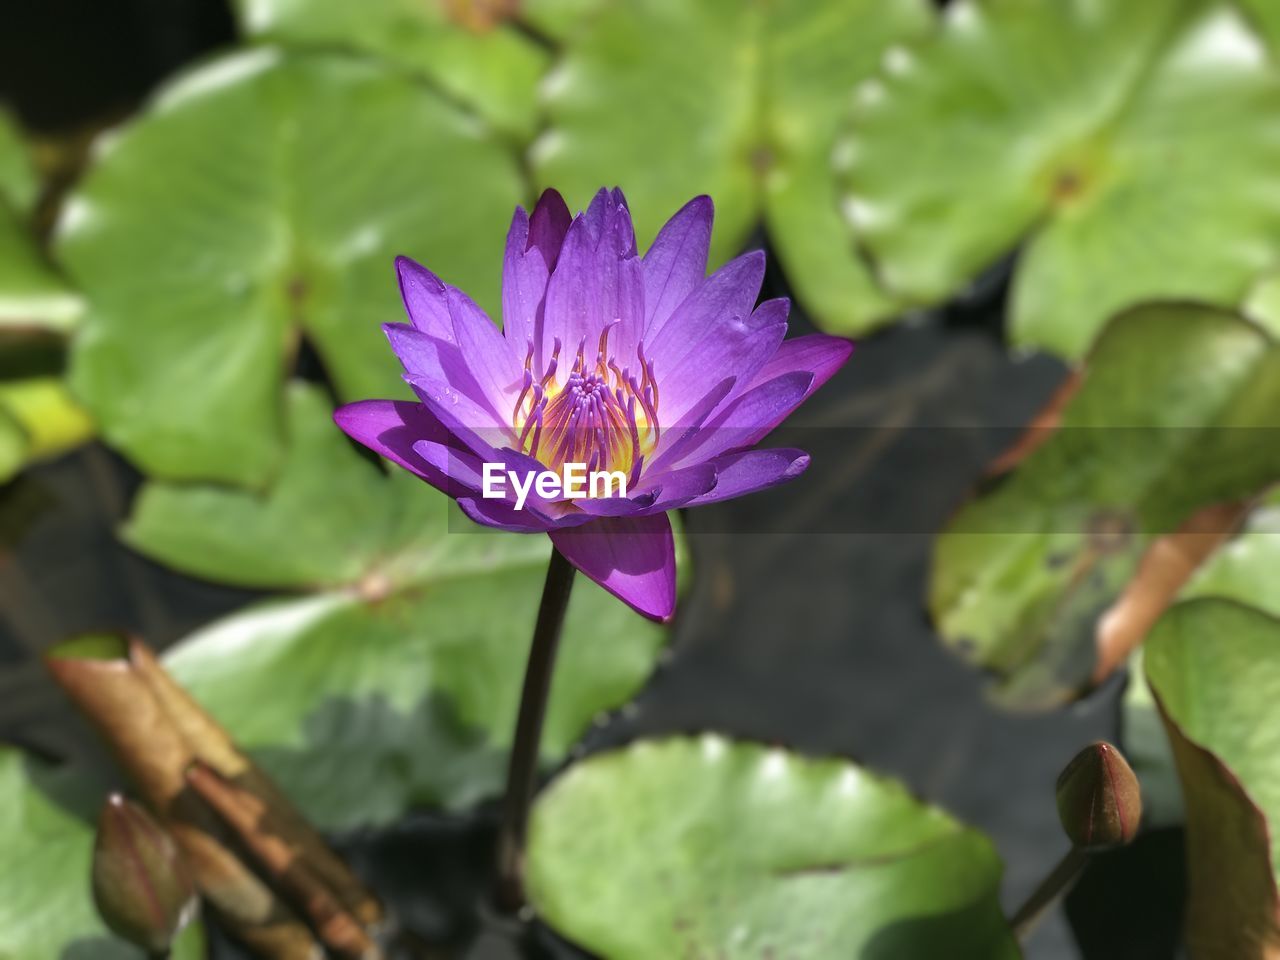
x: 548, y: 225
x: 500, y: 514
x: 598, y: 280
x: 423, y: 294
x: 493, y: 362
x: 750, y: 470
x: 685, y: 433
x: 722, y: 300
x: 533, y: 247
x: 745, y: 421
x: 741, y: 348
x: 632, y: 557
x: 463, y: 416
x: 390, y: 428
x: 676, y: 262
x: 817, y: 353
x: 685, y: 485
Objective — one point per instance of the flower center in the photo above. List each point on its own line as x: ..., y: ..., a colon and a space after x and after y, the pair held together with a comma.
x: 602, y: 415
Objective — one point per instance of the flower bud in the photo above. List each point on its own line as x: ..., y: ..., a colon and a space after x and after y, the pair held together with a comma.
x: 141, y: 884
x: 1099, y: 801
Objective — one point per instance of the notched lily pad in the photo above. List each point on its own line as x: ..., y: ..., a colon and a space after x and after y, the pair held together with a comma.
x: 1214, y: 666
x: 46, y: 846
x: 1095, y: 135
x: 1178, y: 410
x: 739, y: 102
x: 707, y: 847
x: 394, y: 678
x: 261, y: 199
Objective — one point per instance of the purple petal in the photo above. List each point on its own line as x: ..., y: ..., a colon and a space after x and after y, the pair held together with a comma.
x: 745, y: 421
x: 390, y: 428
x: 432, y: 359
x: 423, y: 294
x: 548, y: 225
x: 722, y: 300
x: 816, y: 353
x: 493, y: 362
x: 500, y: 514
x: 686, y: 432
x: 632, y: 557
x: 463, y: 416
x: 462, y: 467
x: 597, y: 280
x: 740, y: 347
x: 676, y: 262
x: 533, y: 246
x: 679, y: 487
x: 750, y: 470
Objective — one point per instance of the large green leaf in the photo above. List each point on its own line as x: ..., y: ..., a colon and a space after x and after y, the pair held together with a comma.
x: 1099, y: 134
x: 708, y: 848
x: 670, y: 99
x: 261, y: 199
x: 1246, y: 571
x: 493, y: 69
x: 1178, y: 409
x: 1215, y: 668
x: 46, y: 846
x: 394, y: 680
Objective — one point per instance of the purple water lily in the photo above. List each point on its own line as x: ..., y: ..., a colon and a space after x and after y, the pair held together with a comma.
x: 642, y: 366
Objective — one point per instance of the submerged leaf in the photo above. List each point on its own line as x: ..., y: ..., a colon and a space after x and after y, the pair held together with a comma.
x: 1178, y: 410
x: 706, y: 847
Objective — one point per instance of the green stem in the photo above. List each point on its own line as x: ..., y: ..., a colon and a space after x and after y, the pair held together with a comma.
x: 522, y: 771
x: 1060, y: 880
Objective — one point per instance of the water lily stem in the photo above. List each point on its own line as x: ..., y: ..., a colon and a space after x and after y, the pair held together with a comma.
x: 522, y: 772
x: 1059, y: 881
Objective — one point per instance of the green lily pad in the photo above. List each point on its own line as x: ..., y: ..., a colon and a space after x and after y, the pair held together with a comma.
x: 46, y: 845
x: 261, y: 199
x: 1245, y: 570
x: 493, y: 69
x: 1215, y: 668
x: 670, y: 99
x: 710, y: 848
x: 1096, y: 136
x: 1178, y: 410
x: 394, y: 678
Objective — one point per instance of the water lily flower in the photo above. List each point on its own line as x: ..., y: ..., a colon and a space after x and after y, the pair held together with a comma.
x: 636, y: 365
